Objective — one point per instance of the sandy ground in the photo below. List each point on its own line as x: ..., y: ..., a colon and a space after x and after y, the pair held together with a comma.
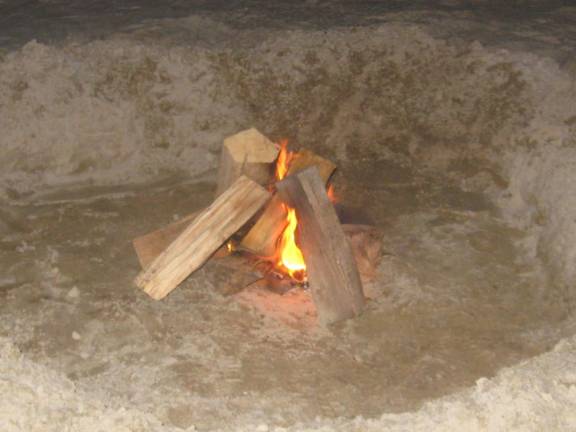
x: 457, y: 302
x: 453, y: 128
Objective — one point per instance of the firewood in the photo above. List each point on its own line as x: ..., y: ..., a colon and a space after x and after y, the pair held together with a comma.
x: 228, y: 274
x: 149, y: 246
x: 261, y: 239
x: 305, y: 158
x: 247, y: 153
x: 332, y: 273
x: 203, y: 237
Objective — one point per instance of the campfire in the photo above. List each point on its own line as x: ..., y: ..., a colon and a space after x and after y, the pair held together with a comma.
x: 273, y: 237
x: 290, y: 258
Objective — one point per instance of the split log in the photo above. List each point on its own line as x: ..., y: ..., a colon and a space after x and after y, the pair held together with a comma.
x: 332, y: 273
x: 247, y: 153
x: 202, y: 237
x: 305, y: 158
x: 151, y: 245
x: 228, y: 274
x: 262, y: 237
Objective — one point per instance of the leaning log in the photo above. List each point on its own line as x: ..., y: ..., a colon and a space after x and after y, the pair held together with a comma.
x: 332, y: 273
x: 202, y: 237
x: 151, y: 245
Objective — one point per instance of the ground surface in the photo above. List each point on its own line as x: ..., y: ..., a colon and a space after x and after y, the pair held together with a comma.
x: 454, y: 126
x: 457, y: 302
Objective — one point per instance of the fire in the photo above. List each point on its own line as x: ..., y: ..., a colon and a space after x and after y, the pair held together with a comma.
x: 290, y: 257
x: 331, y: 194
x: 284, y: 159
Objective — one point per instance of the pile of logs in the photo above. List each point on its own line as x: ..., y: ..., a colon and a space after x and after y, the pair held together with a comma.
x: 250, y: 207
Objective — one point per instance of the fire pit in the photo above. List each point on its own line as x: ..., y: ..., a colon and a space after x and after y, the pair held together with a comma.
x: 273, y: 227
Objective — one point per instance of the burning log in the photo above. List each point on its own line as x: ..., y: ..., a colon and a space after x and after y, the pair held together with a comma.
x: 247, y: 153
x: 202, y: 237
x: 261, y: 239
x: 332, y: 273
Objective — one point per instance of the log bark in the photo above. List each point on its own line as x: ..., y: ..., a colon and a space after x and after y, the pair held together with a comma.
x: 262, y: 237
x: 247, y: 153
x: 332, y: 273
x: 202, y: 237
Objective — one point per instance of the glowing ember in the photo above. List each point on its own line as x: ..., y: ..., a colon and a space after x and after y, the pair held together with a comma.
x: 230, y: 247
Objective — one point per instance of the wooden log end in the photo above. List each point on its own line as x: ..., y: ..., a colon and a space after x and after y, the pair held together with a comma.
x: 305, y: 158
x: 247, y: 153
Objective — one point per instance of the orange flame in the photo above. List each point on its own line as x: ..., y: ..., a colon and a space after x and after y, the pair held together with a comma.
x: 331, y: 194
x: 290, y: 256
x: 284, y: 159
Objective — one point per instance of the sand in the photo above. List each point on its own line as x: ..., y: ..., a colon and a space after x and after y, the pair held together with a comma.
x: 453, y: 126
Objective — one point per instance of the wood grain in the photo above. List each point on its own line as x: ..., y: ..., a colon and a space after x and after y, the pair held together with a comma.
x: 202, y: 237
x: 149, y: 246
